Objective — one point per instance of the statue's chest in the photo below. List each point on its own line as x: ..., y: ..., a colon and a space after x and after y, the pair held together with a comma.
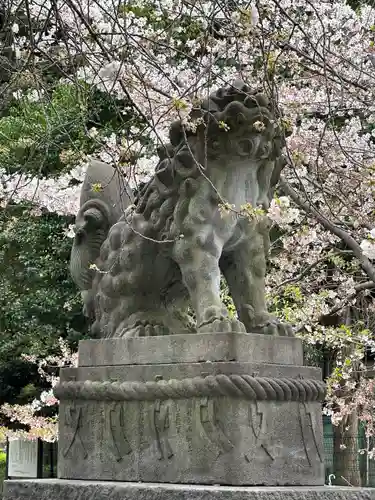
x: 216, y: 208
x: 236, y: 183
x: 225, y: 224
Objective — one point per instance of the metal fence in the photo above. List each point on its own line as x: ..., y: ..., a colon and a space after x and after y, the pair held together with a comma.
x: 358, y: 467
x: 49, y: 460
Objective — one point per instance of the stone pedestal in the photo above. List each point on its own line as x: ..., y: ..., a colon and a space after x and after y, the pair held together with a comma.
x: 58, y: 489
x: 230, y: 409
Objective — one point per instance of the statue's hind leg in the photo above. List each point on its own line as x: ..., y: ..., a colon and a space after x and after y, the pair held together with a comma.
x: 244, y: 269
x: 199, y: 265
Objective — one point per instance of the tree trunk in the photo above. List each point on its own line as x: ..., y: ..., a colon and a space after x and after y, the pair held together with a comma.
x: 346, y: 460
x: 345, y: 442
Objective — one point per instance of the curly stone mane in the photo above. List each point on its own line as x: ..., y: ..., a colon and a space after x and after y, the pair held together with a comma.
x: 163, y: 201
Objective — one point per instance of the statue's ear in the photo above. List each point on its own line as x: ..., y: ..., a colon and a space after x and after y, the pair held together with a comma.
x: 93, y: 219
x: 87, y: 222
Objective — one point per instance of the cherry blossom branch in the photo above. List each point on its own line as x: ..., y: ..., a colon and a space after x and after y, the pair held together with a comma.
x: 307, y: 206
x: 323, y: 65
x: 367, y: 285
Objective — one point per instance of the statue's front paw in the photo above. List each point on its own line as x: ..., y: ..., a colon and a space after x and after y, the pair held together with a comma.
x: 272, y: 326
x: 145, y: 329
x: 222, y: 325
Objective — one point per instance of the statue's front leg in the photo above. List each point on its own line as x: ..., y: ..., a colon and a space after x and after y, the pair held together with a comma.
x: 244, y: 270
x: 199, y: 265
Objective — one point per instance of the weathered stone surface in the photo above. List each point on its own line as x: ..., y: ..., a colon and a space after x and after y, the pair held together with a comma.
x: 190, y: 349
x: 144, y: 373
x: 205, y: 427
x: 90, y: 490
x: 202, y: 408
x: 167, y: 251
x: 99, y: 210
x: 199, y: 440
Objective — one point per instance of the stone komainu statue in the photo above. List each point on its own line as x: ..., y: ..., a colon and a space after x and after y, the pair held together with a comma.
x: 165, y: 251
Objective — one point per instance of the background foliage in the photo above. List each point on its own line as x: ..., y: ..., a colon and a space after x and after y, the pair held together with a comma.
x: 38, y: 301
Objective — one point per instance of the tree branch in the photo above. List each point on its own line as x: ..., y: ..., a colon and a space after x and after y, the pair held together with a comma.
x: 306, y: 205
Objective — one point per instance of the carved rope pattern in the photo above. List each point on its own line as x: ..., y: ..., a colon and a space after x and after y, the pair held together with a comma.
x: 235, y: 386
